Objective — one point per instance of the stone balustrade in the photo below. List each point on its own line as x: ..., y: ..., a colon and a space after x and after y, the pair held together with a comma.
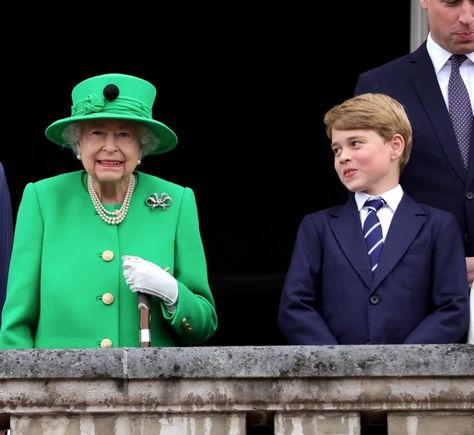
x: 284, y: 390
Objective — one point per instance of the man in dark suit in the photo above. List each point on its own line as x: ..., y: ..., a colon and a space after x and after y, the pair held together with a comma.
x: 6, y: 234
x: 336, y: 290
x: 436, y: 174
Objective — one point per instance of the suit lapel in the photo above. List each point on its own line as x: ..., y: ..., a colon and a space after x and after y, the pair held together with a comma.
x: 420, y: 69
x: 404, y: 228
x: 347, y: 229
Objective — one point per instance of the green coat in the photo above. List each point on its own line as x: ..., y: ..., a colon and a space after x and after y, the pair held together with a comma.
x: 58, y: 275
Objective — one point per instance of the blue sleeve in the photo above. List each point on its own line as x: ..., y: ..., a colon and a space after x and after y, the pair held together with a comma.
x: 6, y: 233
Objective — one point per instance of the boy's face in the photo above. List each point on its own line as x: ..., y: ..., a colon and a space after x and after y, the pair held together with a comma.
x: 366, y: 162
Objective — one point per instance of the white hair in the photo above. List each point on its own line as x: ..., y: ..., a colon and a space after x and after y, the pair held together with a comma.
x: 148, y: 140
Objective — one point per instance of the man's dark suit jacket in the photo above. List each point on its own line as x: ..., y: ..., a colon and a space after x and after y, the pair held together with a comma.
x: 418, y: 293
x: 6, y: 234
x: 435, y: 174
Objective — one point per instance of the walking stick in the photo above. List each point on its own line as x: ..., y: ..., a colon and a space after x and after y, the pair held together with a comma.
x: 144, y: 305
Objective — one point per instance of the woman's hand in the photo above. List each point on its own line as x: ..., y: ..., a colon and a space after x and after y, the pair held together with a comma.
x: 147, y: 277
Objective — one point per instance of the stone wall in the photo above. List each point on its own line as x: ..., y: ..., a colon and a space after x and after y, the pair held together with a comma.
x: 293, y: 390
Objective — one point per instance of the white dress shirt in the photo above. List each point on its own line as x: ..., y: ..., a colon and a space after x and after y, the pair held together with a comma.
x: 392, y: 198
x: 442, y: 66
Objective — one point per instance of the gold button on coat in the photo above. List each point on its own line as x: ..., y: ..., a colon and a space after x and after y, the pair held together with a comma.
x: 108, y: 298
x: 186, y: 325
x: 107, y: 255
x: 106, y: 342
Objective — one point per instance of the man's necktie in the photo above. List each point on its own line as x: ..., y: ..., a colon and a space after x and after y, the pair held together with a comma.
x: 373, y: 231
x: 460, y: 108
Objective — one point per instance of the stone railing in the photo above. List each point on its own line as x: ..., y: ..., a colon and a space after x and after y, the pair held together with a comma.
x: 284, y: 390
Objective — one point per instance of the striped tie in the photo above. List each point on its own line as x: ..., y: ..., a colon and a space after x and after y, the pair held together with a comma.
x: 373, y: 231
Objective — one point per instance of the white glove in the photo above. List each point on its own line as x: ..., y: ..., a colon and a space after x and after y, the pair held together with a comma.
x: 147, y: 277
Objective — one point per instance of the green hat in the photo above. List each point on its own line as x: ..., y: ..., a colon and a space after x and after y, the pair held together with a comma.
x: 114, y: 96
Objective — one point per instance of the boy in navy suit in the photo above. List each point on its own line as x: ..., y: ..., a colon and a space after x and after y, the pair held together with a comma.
x: 417, y: 291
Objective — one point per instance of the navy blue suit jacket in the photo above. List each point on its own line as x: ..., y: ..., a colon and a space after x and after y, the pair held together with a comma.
x: 435, y: 174
x: 418, y: 294
x: 6, y: 234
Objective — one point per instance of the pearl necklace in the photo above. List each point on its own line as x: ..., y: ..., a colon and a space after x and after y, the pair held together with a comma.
x: 116, y: 216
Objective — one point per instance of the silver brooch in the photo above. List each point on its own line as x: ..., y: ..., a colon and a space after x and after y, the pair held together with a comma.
x: 162, y: 200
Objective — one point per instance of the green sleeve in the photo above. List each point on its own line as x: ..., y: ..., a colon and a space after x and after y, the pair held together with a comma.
x: 21, y: 309
x: 195, y: 319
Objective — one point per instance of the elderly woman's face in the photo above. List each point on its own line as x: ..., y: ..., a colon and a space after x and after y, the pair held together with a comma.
x: 109, y: 149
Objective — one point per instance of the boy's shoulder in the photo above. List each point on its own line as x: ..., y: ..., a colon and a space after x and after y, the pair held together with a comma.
x: 429, y: 211
x: 326, y: 214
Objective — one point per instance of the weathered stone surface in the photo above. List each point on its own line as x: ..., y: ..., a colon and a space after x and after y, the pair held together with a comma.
x: 429, y: 423
x: 240, y: 362
x: 303, y: 387
x: 86, y: 424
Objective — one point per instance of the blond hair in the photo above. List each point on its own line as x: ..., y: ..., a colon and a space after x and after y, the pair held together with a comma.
x: 377, y: 112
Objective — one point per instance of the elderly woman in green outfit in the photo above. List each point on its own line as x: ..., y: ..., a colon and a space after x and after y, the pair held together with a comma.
x: 88, y: 243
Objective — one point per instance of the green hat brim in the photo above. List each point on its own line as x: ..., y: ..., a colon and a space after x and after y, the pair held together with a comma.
x: 167, y: 138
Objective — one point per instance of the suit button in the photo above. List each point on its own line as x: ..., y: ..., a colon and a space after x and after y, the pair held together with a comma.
x: 107, y: 255
x: 374, y: 300
x: 108, y: 298
x: 467, y: 238
x: 106, y: 342
x: 470, y: 195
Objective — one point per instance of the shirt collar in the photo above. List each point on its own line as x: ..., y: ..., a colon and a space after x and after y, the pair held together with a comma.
x: 391, y: 197
x: 439, y: 56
